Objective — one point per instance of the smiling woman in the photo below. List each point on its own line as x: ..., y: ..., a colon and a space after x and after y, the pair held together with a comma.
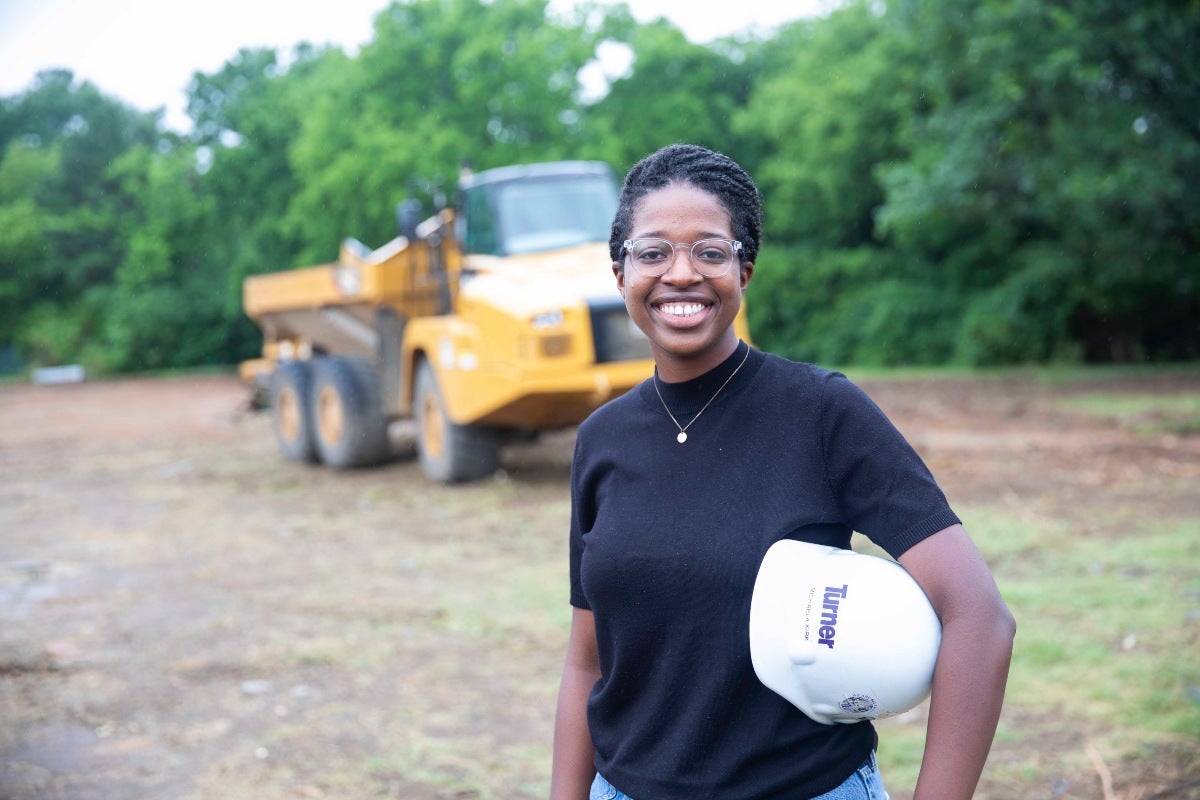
x: 659, y: 698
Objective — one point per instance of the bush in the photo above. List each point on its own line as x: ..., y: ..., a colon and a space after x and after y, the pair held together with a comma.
x: 860, y: 306
x: 1027, y: 317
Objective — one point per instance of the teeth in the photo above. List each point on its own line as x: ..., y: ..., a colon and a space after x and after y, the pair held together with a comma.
x: 682, y: 309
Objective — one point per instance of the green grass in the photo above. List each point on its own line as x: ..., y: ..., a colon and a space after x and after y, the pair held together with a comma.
x: 1118, y: 612
x: 1049, y: 375
x: 1062, y: 375
x: 1149, y: 414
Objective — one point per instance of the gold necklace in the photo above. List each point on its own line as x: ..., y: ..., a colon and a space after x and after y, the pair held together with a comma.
x: 682, y: 437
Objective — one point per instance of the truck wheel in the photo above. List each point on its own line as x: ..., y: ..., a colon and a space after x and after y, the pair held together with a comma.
x: 450, y: 453
x: 350, y: 429
x: 291, y: 410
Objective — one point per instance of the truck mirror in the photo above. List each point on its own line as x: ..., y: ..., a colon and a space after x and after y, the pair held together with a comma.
x: 408, y: 217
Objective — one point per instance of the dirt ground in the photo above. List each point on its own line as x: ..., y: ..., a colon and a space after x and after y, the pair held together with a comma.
x: 185, y: 615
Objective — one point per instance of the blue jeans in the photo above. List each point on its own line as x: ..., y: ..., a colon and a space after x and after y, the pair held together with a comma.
x: 865, y: 784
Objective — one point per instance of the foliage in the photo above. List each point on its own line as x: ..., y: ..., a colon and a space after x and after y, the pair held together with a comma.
x: 442, y: 82
x: 843, y: 306
x: 59, y: 194
x: 1026, y: 316
x: 674, y: 91
x: 828, y: 113
x: 1068, y: 126
x: 970, y: 181
x: 247, y: 117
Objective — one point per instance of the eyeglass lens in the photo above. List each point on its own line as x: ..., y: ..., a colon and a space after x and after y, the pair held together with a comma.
x: 710, y: 257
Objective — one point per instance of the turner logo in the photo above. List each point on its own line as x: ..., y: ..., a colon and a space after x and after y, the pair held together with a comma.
x: 829, y: 614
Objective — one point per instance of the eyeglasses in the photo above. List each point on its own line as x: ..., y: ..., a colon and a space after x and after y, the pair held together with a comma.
x: 653, y: 257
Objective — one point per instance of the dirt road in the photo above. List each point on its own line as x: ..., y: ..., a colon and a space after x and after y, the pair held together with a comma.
x: 184, y: 615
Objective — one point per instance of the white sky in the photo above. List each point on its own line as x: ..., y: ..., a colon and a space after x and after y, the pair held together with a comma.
x: 145, y: 51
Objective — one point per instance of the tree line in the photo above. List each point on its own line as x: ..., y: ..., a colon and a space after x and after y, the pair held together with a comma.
x: 945, y: 181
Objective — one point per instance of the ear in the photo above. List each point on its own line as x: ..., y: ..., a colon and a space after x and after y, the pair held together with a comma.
x: 619, y: 273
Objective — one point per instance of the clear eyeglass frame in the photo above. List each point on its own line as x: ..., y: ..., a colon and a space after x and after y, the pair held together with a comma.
x: 652, y: 256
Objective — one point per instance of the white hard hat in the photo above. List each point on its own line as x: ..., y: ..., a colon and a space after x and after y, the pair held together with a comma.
x: 843, y: 636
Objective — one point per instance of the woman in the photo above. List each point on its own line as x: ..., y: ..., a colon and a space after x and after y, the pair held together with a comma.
x: 678, y: 489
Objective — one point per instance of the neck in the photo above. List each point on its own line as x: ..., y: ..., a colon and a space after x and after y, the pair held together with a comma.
x: 673, y: 368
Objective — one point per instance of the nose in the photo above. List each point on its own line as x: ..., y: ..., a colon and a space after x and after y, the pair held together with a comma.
x: 682, y: 271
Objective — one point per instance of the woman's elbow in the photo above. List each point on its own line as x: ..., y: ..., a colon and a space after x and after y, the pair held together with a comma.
x: 987, y: 622
x: 1003, y: 625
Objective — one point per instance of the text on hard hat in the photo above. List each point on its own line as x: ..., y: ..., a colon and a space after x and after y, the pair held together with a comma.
x: 829, y: 615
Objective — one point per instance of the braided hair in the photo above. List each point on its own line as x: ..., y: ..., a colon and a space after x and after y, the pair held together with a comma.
x: 705, y: 169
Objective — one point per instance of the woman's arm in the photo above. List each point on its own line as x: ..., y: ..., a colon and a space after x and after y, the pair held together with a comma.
x: 972, y: 664
x: 573, y: 765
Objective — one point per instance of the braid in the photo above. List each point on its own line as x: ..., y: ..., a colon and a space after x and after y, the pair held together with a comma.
x: 696, y: 166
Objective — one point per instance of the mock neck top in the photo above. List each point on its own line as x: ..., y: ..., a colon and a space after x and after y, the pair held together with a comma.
x: 665, y: 543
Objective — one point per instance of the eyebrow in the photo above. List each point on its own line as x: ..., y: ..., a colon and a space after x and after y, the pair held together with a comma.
x: 701, y: 237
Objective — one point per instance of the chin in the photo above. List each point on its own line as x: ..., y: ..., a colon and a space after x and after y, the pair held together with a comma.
x: 686, y: 345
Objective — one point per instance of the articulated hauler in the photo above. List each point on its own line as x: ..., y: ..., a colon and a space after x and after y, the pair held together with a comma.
x: 491, y: 321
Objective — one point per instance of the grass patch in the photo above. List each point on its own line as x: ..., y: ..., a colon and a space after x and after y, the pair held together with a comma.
x: 901, y: 746
x: 1064, y: 375
x: 1107, y: 628
x: 1147, y: 414
x: 530, y: 601
x: 1049, y: 375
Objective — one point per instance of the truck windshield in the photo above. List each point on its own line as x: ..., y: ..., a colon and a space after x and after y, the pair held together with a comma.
x: 551, y: 212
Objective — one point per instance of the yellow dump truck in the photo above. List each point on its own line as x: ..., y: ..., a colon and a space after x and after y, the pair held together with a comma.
x: 491, y: 320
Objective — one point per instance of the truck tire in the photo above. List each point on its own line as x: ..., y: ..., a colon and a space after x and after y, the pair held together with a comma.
x: 349, y: 427
x: 450, y: 453
x: 290, y: 399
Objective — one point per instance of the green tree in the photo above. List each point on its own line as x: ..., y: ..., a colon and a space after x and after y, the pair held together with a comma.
x: 246, y: 118
x: 828, y: 110
x: 22, y: 239
x: 163, y: 309
x: 442, y: 81
x: 832, y: 109
x: 675, y: 91
x: 1053, y: 175
x: 62, y: 238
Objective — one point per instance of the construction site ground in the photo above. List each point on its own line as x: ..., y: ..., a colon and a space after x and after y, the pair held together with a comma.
x: 186, y: 616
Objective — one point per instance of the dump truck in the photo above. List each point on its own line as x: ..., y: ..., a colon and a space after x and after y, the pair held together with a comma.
x: 492, y: 320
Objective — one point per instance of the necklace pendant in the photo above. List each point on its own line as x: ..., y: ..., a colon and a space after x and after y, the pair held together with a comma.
x: 682, y: 437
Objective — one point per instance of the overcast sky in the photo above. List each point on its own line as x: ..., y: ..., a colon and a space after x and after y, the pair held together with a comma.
x: 145, y: 51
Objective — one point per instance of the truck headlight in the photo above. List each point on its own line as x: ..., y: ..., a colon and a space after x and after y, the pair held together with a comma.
x: 348, y: 280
